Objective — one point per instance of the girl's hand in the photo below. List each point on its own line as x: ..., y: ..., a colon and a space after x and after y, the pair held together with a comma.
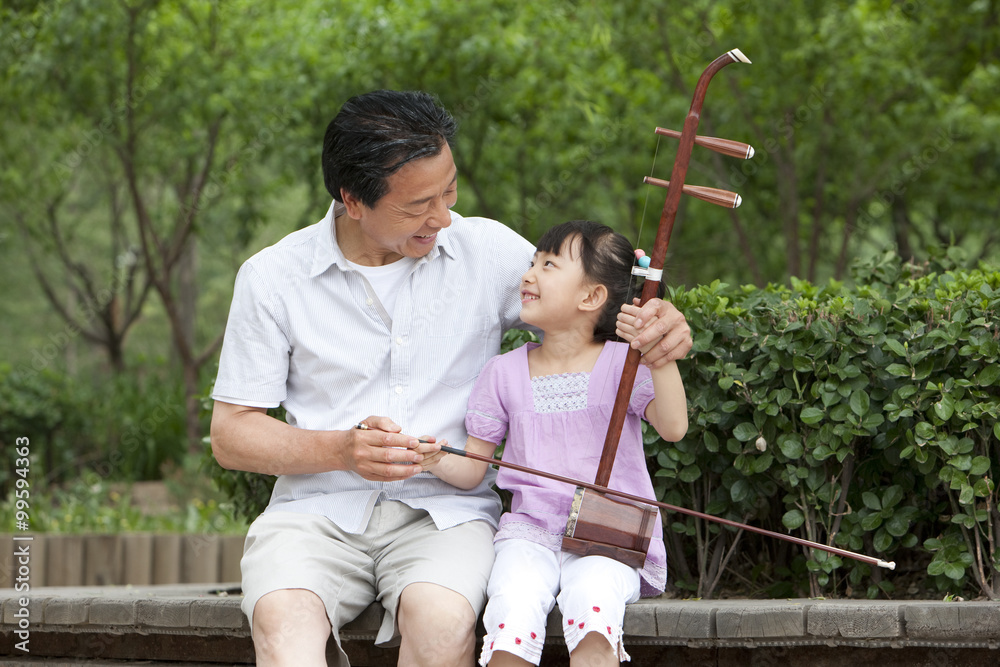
x: 430, y: 449
x: 657, y: 329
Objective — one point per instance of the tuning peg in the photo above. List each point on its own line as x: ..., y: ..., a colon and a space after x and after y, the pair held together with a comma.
x: 711, y: 195
x: 725, y: 146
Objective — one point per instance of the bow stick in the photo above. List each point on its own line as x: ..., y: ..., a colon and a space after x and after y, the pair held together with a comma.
x: 673, y: 508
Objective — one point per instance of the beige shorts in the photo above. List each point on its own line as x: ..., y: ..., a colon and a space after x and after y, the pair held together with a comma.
x: 400, y: 546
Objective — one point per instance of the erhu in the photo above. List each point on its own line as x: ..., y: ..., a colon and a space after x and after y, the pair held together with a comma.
x: 603, y: 525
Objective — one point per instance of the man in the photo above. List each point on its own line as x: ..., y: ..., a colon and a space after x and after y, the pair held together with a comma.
x: 369, y: 328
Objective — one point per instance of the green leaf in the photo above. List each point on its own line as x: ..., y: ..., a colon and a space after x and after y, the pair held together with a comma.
x: 792, y: 519
x: 944, y: 408
x: 745, y: 431
x: 882, y: 540
x: 762, y: 463
x: 980, y: 465
x: 711, y: 442
x: 967, y: 495
x: 892, y: 496
x: 802, y: 364
x: 988, y: 376
x: 689, y: 474
x: 899, y: 370
x: 791, y: 447
x: 897, y: 526
x: 811, y: 415
x: 983, y: 487
x: 740, y: 491
x: 871, y: 522
x: 896, y: 347
x: 871, y: 501
x: 936, y: 567
x: 954, y: 571
x: 860, y: 402
x: 924, y: 431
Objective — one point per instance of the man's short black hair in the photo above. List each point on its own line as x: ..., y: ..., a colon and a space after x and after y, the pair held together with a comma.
x: 375, y: 134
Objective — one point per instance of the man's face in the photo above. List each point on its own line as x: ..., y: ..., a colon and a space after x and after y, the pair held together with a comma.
x: 405, y: 222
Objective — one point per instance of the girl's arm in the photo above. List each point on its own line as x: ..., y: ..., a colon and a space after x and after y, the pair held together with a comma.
x: 667, y: 412
x: 460, y: 471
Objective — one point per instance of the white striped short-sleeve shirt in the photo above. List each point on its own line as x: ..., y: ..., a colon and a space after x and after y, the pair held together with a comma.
x: 306, y: 331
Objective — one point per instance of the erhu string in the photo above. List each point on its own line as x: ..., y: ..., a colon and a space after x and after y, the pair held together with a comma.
x: 635, y: 261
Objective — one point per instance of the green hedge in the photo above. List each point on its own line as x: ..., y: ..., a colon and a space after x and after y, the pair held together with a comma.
x: 123, y: 428
x: 860, y: 417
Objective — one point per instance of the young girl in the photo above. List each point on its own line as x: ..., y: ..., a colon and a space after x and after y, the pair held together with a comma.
x: 553, y: 402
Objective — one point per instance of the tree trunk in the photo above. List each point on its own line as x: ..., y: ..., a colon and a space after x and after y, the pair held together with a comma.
x: 187, y: 290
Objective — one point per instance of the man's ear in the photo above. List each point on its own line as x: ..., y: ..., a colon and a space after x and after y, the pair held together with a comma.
x: 351, y: 203
x: 596, y: 297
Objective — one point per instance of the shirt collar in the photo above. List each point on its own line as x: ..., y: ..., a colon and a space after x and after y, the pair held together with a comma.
x: 328, y: 253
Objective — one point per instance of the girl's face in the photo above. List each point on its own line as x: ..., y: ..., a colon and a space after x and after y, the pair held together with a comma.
x: 554, y: 287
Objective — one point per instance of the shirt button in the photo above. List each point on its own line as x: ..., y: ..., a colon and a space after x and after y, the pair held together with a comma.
x: 399, y: 340
x: 370, y: 302
x: 399, y: 389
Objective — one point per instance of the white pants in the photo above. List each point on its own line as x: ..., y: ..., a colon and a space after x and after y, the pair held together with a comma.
x: 528, y: 579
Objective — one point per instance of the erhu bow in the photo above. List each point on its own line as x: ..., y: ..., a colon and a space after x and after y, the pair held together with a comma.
x: 599, y: 525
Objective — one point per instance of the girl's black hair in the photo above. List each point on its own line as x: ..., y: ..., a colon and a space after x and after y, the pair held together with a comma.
x: 607, y: 259
x: 375, y: 134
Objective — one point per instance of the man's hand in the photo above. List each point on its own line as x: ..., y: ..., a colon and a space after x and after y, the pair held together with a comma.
x: 658, y: 329
x: 380, y: 453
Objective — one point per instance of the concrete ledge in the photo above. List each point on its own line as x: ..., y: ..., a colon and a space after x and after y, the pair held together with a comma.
x: 196, y: 622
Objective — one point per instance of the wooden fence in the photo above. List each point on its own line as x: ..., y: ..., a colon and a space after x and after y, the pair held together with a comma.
x: 139, y: 559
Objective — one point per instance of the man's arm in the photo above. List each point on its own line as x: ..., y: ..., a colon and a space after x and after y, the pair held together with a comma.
x: 246, y: 438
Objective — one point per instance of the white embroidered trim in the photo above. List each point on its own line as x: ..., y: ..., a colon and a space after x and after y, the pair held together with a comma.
x: 515, y: 642
x: 530, y: 532
x: 565, y: 392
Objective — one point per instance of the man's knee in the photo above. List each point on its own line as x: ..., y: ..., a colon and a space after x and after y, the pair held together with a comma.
x: 287, y: 620
x: 438, y: 617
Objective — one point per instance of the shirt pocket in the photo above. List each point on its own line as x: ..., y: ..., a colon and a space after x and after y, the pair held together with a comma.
x: 458, y: 349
